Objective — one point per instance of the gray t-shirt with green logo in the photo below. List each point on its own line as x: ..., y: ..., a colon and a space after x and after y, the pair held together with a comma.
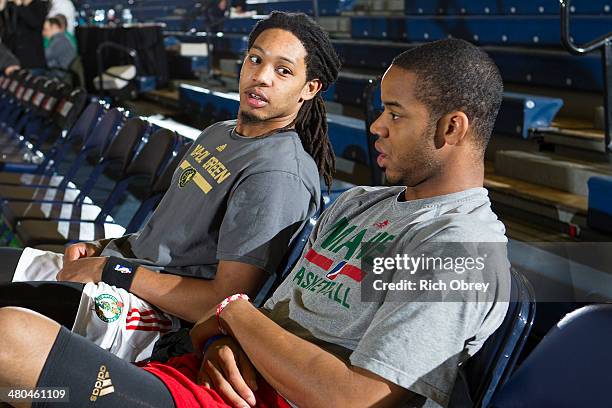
x: 417, y: 337
x: 231, y: 198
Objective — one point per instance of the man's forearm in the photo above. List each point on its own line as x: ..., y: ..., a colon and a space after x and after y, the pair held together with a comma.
x: 187, y: 298
x: 191, y: 298
x: 302, y: 372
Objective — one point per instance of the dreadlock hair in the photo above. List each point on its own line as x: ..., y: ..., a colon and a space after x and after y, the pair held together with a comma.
x: 322, y: 63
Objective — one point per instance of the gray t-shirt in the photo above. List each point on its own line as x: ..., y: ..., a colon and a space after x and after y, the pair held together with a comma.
x: 232, y: 198
x: 415, y: 339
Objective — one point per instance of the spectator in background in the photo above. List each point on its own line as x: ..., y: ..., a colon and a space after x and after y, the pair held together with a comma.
x: 60, y: 52
x: 63, y: 25
x: 25, y: 35
x: 8, y: 62
x: 65, y: 8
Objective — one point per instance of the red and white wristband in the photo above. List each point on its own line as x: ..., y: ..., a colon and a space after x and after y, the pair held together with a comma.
x: 224, y: 304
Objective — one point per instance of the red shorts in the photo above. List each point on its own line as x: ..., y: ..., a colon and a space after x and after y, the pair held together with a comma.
x: 179, y: 374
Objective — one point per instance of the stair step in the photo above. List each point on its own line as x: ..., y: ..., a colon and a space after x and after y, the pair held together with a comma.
x: 548, y: 170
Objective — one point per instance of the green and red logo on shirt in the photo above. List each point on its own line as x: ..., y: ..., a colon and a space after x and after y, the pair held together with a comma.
x: 341, y: 236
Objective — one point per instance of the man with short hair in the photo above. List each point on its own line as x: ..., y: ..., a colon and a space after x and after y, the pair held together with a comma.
x: 339, y: 331
x: 236, y: 202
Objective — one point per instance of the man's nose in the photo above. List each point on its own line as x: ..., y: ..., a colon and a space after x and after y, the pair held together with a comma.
x: 377, y: 128
x: 264, y: 75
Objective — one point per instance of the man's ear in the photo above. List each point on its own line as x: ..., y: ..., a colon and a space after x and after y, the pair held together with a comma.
x: 453, y: 127
x: 311, y: 88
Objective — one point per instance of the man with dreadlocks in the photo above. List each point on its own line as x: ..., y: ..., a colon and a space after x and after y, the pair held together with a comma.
x: 237, y: 200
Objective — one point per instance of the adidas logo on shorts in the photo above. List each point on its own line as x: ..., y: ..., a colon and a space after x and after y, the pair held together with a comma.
x: 103, y: 385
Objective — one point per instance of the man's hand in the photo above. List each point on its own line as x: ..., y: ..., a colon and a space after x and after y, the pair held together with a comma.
x: 81, y: 250
x: 82, y: 270
x: 227, y: 368
x: 11, y: 68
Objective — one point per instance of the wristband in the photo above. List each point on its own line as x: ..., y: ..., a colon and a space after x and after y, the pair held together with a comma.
x: 224, y: 304
x: 211, y: 341
x: 119, y: 272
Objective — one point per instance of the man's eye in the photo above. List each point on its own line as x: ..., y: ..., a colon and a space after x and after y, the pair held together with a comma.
x: 283, y: 71
x: 254, y: 59
x: 393, y: 116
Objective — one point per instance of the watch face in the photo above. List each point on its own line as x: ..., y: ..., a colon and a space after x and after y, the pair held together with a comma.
x: 186, y: 176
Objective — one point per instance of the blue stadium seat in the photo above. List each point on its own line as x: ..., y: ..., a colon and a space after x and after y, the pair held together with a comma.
x: 95, y: 143
x: 113, y: 164
x: 491, y: 366
x: 145, y: 167
x: 508, y: 7
x: 540, y: 31
x: 570, y: 367
x: 348, y: 137
x: 521, y: 112
x: 158, y: 190
x: 521, y: 65
x: 599, y: 214
x: 78, y: 130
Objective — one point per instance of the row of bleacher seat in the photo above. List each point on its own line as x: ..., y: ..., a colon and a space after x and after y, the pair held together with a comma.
x: 411, y: 7
x: 519, y: 65
x: 541, y: 31
x: 42, y: 207
x: 519, y: 113
x: 504, y: 7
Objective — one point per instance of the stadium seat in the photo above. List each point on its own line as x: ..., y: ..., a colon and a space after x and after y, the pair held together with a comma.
x: 157, y: 192
x: 26, y: 142
x: 97, y: 141
x: 599, y: 215
x: 67, y: 113
x: 113, y: 164
x: 570, y: 367
x: 482, y: 374
x: 144, y: 167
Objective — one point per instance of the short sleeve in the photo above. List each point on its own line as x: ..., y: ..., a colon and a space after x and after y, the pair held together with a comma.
x: 263, y: 213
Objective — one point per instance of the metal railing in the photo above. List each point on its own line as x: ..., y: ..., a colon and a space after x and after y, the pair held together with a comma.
x: 604, y: 44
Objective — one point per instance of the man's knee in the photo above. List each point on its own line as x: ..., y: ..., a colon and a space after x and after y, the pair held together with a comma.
x: 26, y: 341
x: 10, y: 318
x: 22, y: 330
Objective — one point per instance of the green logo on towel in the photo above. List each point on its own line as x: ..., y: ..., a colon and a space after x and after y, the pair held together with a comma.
x: 108, y: 308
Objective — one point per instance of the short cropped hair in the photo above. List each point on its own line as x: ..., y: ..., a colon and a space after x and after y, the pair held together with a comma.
x: 454, y: 75
x: 54, y: 21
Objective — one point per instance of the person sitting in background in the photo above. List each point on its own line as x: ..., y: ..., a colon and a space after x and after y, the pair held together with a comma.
x: 64, y: 26
x: 60, y: 52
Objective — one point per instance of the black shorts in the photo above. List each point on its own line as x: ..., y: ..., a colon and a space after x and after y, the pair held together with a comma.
x: 96, y: 378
